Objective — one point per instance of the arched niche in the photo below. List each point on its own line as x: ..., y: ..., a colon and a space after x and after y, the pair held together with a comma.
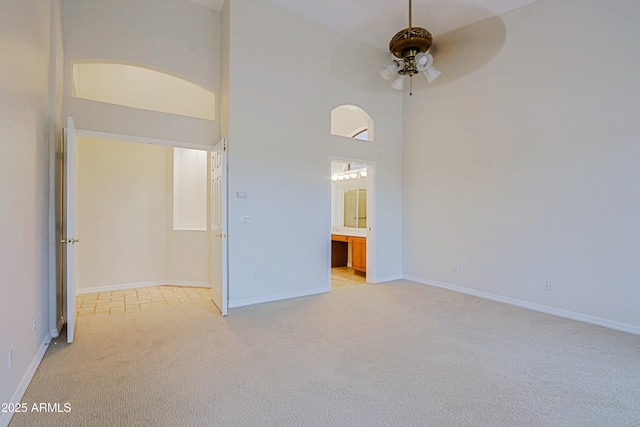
x: 352, y: 122
x: 143, y: 88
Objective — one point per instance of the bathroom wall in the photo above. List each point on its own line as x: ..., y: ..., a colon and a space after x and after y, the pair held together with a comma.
x: 125, y: 207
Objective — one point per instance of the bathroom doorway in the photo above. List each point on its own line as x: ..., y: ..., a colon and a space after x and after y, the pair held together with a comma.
x: 352, y: 222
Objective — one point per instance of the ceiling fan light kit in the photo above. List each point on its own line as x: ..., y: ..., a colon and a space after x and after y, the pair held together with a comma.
x: 409, y: 55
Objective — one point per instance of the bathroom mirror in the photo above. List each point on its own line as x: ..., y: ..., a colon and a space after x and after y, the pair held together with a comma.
x: 355, y: 208
x: 348, y: 195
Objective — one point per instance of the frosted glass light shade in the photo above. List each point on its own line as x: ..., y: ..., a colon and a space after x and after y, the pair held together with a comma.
x: 423, y: 61
x: 390, y: 70
x: 431, y: 73
x: 398, y: 82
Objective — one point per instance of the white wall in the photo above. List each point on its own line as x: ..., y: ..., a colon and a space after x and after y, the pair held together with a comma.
x: 174, y: 36
x: 24, y: 165
x: 525, y: 170
x: 125, y: 225
x: 279, y: 151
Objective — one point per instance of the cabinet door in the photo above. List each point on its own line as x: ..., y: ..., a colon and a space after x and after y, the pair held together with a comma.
x: 359, y: 254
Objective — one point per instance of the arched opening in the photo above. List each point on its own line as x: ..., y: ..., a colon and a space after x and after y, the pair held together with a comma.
x: 352, y: 122
x: 143, y: 88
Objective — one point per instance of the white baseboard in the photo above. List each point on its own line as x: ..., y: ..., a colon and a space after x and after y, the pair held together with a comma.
x: 618, y: 326
x: 125, y: 286
x: 5, y: 417
x: 189, y: 284
x: 56, y: 331
x: 389, y: 278
x: 278, y: 297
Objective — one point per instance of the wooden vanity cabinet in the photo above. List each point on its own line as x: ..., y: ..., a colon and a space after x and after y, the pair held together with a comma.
x: 359, y: 254
x: 339, y: 252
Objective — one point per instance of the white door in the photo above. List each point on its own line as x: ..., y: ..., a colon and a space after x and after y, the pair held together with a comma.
x: 70, y: 230
x: 219, y: 235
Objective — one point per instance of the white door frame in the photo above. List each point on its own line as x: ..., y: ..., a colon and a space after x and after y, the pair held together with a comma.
x: 372, y: 214
x: 70, y: 221
x: 218, y: 226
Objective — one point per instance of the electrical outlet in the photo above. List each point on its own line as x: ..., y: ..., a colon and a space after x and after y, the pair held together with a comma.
x: 550, y: 286
x: 255, y: 277
x: 33, y: 323
x: 245, y: 219
x: 10, y: 358
x: 456, y: 268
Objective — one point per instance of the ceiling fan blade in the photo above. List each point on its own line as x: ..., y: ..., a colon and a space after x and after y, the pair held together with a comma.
x: 358, y: 56
x: 465, y: 50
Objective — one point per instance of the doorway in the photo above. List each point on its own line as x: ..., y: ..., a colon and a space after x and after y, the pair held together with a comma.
x: 352, y: 222
x: 130, y: 237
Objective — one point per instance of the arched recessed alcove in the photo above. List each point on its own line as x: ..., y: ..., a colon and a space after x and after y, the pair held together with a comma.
x: 352, y: 122
x: 143, y: 88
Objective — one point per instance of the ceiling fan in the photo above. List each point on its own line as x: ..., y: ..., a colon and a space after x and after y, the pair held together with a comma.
x: 410, y: 55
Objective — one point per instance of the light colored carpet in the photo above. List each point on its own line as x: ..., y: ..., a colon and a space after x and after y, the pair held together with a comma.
x: 399, y: 354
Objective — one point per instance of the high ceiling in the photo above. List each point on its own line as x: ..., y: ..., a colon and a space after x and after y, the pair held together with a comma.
x: 376, y: 21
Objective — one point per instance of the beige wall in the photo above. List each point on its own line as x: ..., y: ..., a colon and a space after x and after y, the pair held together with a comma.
x: 24, y: 166
x: 125, y: 218
x: 122, y: 215
x: 522, y: 168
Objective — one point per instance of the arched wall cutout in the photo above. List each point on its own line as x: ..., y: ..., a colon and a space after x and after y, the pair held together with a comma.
x: 144, y: 88
x: 350, y: 121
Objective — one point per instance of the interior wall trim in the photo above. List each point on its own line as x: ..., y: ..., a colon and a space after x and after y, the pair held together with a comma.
x: 277, y: 297
x: 141, y: 139
x: 5, y: 417
x: 611, y: 324
x: 391, y: 278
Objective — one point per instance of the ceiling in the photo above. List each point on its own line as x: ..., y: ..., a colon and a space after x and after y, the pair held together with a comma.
x: 376, y: 21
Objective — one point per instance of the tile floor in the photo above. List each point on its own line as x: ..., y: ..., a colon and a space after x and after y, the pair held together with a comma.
x: 138, y: 299
x: 346, y: 276
x: 164, y: 295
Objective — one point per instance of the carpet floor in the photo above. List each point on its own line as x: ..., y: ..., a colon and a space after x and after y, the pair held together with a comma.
x: 396, y: 354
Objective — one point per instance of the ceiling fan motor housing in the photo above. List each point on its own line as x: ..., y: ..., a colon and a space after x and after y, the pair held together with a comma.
x: 407, y: 43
